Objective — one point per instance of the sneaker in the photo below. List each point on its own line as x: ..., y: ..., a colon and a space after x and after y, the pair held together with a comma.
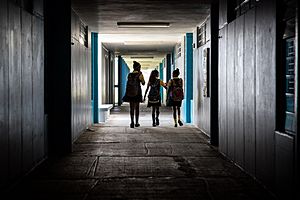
x: 180, y: 123
x: 132, y: 125
x: 175, y: 125
x: 157, y: 122
x: 137, y: 125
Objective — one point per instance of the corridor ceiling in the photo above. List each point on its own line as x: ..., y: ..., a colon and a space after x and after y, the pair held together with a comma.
x: 102, y: 17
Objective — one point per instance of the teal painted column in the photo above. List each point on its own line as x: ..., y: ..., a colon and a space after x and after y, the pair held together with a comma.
x: 123, y: 78
x: 161, y: 77
x: 188, y: 77
x: 95, y: 95
x: 120, y: 82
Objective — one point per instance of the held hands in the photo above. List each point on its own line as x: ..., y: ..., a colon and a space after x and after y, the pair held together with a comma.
x: 165, y: 86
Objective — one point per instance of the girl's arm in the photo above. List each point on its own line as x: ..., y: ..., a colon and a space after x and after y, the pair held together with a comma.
x: 141, y: 77
x: 169, y: 88
x: 148, y: 85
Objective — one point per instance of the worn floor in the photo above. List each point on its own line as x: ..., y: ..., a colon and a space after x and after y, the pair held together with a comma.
x: 113, y: 161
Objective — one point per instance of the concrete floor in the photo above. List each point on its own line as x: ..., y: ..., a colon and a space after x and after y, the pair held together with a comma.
x: 113, y: 161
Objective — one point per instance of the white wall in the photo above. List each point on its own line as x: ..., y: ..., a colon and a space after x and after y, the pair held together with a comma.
x: 201, y: 104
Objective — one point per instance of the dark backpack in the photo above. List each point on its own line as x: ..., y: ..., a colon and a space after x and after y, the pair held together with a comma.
x: 177, y: 90
x: 154, y: 91
x: 133, y: 83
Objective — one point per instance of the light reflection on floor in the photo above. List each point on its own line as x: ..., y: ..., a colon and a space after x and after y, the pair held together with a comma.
x: 122, y: 117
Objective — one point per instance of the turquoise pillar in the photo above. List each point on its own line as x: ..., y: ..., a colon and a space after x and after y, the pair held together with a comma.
x: 161, y: 76
x: 95, y: 95
x: 188, y: 77
x: 124, y: 69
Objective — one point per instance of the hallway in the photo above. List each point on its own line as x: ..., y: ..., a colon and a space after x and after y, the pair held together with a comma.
x: 64, y: 125
x: 113, y: 161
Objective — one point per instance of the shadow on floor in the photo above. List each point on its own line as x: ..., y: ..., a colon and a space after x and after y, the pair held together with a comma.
x: 113, y: 161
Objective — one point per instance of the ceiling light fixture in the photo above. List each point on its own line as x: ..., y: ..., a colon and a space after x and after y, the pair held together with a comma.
x: 143, y: 24
x: 134, y: 57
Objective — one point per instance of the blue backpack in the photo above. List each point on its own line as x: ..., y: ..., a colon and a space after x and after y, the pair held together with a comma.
x: 154, y: 93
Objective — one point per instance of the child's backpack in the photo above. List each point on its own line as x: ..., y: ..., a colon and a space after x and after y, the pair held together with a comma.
x: 133, y: 84
x: 154, y: 93
x: 177, y: 90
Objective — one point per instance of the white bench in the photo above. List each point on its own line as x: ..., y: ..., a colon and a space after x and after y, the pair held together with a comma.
x: 104, y: 112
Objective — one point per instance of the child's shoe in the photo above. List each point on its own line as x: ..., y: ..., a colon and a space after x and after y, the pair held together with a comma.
x: 132, y: 125
x: 180, y: 123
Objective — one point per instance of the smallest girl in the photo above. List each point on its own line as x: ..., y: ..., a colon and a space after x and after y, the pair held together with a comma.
x: 175, y: 97
x: 154, y: 98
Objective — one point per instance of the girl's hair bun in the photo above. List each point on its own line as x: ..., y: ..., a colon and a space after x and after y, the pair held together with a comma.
x: 176, y: 71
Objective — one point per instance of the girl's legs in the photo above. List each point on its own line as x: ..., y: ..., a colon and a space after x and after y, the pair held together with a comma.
x: 132, y: 105
x: 179, y: 121
x: 174, y: 115
x: 137, y: 113
x: 153, y: 116
x: 157, y: 115
x: 155, y: 120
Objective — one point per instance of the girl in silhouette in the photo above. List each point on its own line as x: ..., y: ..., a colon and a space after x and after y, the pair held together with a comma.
x: 175, y: 95
x: 154, y: 98
x: 133, y: 93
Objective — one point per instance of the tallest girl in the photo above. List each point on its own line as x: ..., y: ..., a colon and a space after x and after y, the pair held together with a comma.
x: 133, y: 93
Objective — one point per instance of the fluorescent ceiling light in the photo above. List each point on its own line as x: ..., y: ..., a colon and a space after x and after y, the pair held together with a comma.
x: 134, y: 57
x: 143, y: 24
x: 154, y: 42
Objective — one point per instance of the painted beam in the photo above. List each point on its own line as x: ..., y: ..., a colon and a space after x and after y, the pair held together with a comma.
x: 124, y: 69
x: 188, y: 76
x: 161, y: 76
x: 95, y: 94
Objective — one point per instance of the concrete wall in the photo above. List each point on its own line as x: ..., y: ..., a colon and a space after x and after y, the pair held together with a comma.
x: 201, y: 103
x: 247, y: 97
x: 107, y: 75
x: 104, y: 67
x: 179, y: 60
x: 80, y: 80
x: 22, y: 133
